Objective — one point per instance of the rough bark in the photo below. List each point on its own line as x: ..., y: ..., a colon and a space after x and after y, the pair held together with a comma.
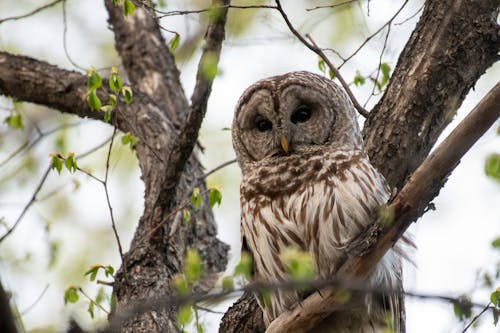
x: 452, y: 45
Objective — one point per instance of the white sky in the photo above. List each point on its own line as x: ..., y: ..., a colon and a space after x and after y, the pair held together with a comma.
x: 453, y: 241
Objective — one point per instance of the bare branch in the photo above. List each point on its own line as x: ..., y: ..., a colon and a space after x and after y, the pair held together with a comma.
x: 313, y: 47
x: 186, y: 140
x: 33, y: 12
x: 408, y: 205
x: 8, y: 322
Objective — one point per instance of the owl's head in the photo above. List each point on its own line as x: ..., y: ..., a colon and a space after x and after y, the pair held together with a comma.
x: 292, y: 113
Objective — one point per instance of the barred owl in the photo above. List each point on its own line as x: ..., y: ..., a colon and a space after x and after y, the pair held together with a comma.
x: 307, y: 183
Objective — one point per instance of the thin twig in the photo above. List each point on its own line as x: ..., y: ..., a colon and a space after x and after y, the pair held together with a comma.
x: 486, y: 307
x: 28, y: 205
x: 91, y: 300
x: 33, y: 12
x: 65, y: 44
x: 32, y: 305
x: 332, y: 6
x: 110, y: 208
x: 223, y: 165
x: 374, y: 34
x: 313, y: 47
x: 379, y: 64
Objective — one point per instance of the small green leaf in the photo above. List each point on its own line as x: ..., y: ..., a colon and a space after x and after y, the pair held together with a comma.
x: 107, y: 109
x: 244, y: 267
x: 227, y: 283
x: 196, y: 198
x: 181, y: 285
x: 112, y: 100
x: 93, y: 101
x: 321, y: 64
x: 184, y: 315
x: 71, y: 295
x: 90, y: 309
x: 115, y: 81
x: 214, y: 197
x: 70, y: 162
x: 127, y: 94
x: 116, y: 2
x: 174, y: 42
x: 92, y: 272
x: 56, y: 162
x: 492, y: 166
x: 109, y: 270
x: 385, y: 215
x: 94, y: 80
x: 496, y: 243
x: 100, y: 296
x: 208, y: 66
x: 496, y: 314
x: 299, y: 264
x: 129, y: 139
x: 343, y: 296
x: 495, y: 298
x: 199, y: 328
x: 332, y: 75
x: 128, y: 7
x: 359, y: 79
x: 462, y: 308
x: 193, y: 266
x: 186, y: 215
x: 14, y: 121
x: 386, y: 71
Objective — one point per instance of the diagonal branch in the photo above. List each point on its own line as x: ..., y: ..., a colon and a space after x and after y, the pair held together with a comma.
x: 408, y: 206
x: 186, y: 139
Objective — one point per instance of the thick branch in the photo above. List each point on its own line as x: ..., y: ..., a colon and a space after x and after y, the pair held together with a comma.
x: 454, y: 42
x: 408, y: 205
x: 149, y: 63
x: 8, y: 322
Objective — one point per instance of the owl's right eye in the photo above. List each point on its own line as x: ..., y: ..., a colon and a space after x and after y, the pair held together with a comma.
x: 263, y: 125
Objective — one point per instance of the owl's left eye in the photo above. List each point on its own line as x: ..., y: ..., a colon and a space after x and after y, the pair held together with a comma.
x: 301, y: 114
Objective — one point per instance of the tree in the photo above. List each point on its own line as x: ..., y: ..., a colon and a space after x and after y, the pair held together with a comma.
x: 452, y: 45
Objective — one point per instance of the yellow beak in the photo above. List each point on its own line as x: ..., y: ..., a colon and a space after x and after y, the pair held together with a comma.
x: 284, y: 144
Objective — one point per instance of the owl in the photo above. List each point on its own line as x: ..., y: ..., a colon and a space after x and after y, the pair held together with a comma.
x: 308, y: 183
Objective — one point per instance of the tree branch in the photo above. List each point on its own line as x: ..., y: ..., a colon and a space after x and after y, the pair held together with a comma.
x: 408, y: 206
x: 186, y: 139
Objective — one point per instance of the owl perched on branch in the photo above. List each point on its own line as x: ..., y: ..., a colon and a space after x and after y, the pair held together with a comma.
x: 307, y: 183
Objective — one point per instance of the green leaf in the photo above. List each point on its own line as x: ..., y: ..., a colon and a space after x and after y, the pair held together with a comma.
x: 70, y: 162
x: 343, y: 296
x: 112, y: 100
x: 462, y: 308
x: 129, y: 139
x: 94, y: 80
x: 186, y: 215
x: 227, y: 283
x: 492, y: 166
x: 107, y: 112
x: 199, y: 328
x: 332, y: 75
x: 496, y: 314
x: 117, y: 2
x: 496, y: 243
x: 115, y: 81
x: 128, y: 8
x: 385, y: 215
x: 184, y: 315
x: 181, y: 285
x: 386, y: 71
x: 359, y: 79
x: 208, y: 66
x: 100, y: 296
x: 14, y: 121
x: 299, y: 264
x: 244, y: 267
x: 93, y: 101
x: 214, y: 197
x: 196, y: 198
x: 109, y: 271
x: 495, y: 298
x: 193, y: 266
x: 71, y: 295
x: 321, y: 64
x: 90, y: 309
x: 174, y: 42
x: 56, y: 162
x: 127, y: 94
x: 92, y: 272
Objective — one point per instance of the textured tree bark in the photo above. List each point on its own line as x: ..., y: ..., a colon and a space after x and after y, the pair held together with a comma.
x: 452, y: 45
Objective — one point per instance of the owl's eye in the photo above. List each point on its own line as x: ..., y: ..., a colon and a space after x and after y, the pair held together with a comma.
x: 263, y: 125
x: 301, y: 114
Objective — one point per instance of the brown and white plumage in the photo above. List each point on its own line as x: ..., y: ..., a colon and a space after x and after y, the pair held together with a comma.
x: 308, y: 183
